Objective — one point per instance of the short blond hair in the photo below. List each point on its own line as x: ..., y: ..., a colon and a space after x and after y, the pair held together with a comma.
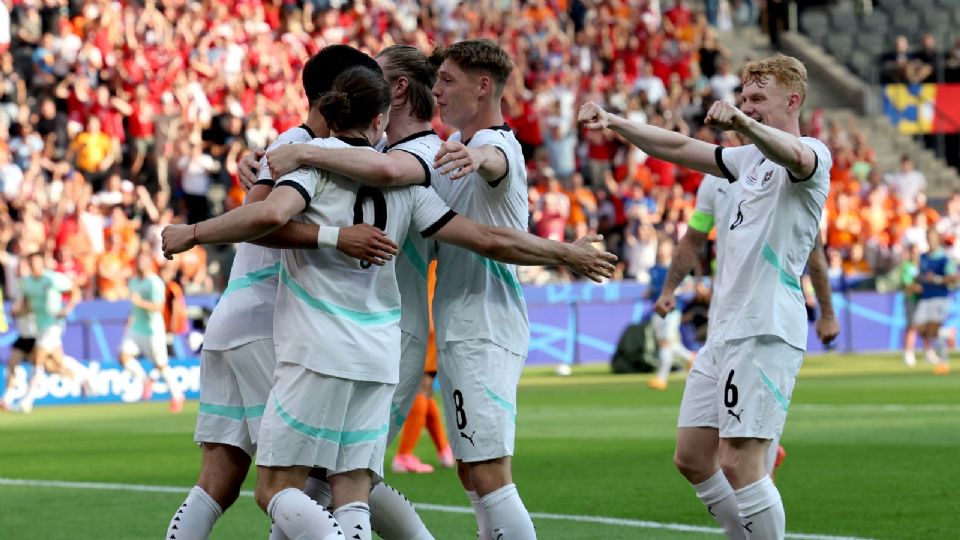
x: 790, y: 74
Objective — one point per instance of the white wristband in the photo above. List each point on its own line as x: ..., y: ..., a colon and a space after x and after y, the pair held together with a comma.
x: 328, y: 236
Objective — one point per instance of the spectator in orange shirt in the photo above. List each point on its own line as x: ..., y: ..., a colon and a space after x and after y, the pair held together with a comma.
x: 113, y: 270
x: 583, y: 207
x: 93, y: 152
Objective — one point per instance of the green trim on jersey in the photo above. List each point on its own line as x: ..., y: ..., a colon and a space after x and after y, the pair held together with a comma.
x: 701, y: 221
x: 777, y: 394
x: 339, y: 437
x: 234, y: 413
x: 399, y: 419
x: 771, y: 257
x: 502, y: 273
x: 359, y: 317
x: 252, y: 278
x: 504, y: 404
x: 414, y: 257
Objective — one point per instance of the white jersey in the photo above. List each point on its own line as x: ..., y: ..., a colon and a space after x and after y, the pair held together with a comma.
x: 415, y: 252
x: 713, y: 200
x: 336, y: 315
x: 768, y: 235
x: 244, y: 313
x: 477, y: 298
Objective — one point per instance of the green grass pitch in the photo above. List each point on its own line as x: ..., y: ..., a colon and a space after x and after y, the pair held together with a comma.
x: 874, y: 452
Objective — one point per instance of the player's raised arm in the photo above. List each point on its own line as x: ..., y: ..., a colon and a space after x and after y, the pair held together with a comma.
x: 392, y: 169
x: 659, y: 143
x: 778, y: 146
x: 516, y: 247
x: 459, y: 160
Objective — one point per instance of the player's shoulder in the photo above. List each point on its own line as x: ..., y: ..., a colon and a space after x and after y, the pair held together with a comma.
x: 421, y: 140
x: 294, y: 135
x: 495, y: 135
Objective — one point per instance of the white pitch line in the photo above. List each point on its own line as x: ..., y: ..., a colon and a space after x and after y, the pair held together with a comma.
x: 600, y: 520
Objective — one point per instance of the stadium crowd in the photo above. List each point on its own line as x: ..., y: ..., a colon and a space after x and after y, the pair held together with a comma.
x: 117, y: 118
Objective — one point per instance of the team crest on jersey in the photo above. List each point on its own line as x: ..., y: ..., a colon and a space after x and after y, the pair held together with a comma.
x: 766, y: 178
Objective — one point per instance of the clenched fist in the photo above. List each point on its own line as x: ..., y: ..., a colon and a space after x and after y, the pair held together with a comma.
x: 725, y: 116
x: 592, y: 116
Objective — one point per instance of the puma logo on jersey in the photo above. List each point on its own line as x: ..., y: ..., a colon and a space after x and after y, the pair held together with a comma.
x: 735, y: 415
x: 739, y: 221
x: 469, y: 437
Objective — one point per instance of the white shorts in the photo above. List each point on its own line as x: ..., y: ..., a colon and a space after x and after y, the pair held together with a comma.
x: 667, y: 328
x: 234, y: 385
x: 413, y: 355
x: 742, y: 387
x: 152, y: 347
x: 50, y: 339
x: 932, y: 310
x: 478, y: 382
x: 319, y: 421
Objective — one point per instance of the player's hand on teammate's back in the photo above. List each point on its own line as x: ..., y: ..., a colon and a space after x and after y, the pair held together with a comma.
x: 367, y: 243
x: 589, y: 261
x: 827, y: 329
x: 456, y: 159
x: 177, y: 239
x: 725, y: 116
x: 249, y: 168
x: 592, y: 116
x: 284, y: 159
x: 665, y: 304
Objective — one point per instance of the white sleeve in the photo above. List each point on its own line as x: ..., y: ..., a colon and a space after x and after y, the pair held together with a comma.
x: 820, y: 177
x: 732, y: 160
x: 430, y: 213
x: 306, y: 180
x: 499, y: 140
x: 707, y: 193
x: 293, y: 135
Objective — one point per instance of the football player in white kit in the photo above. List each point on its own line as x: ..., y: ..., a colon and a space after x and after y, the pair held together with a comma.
x: 238, y: 357
x: 736, y: 398
x: 355, y: 309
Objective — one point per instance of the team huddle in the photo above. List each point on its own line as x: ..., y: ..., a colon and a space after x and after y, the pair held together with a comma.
x: 314, y: 354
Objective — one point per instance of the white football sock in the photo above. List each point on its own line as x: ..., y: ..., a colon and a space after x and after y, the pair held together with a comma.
x: 484, y: 531
x: 666, y: 362
x: 301, y: 518
x: 393, y: 517
x: 508, y: 517
x: 195, y: 518
x: 718, y: 496
x: 761, y: 511
x: 354, y: 518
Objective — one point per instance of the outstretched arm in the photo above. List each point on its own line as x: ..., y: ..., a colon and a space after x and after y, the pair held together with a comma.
x: 685, y: 260
x: 659, y: 143
x: 517, y: 247
x: 243, y: 224
x: 362, y: 241
x: 827, y: 326
x: 391, y: 169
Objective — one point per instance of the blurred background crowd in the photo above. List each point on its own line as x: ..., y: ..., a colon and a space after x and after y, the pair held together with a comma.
x: 119, y: 117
